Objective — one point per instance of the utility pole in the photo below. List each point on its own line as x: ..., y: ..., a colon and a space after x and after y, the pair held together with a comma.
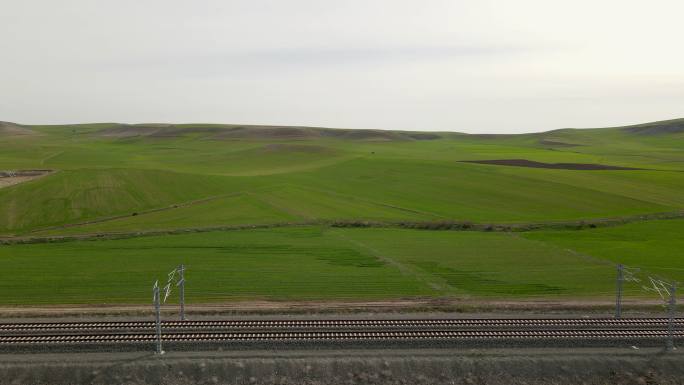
x: 181, y: 284
x: 670, y: 325
x: 618, y: 286
x: 157, y: 309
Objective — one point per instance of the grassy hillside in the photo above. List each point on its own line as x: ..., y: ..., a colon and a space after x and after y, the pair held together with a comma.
x: 72, y: 196
x: 300, y: 263
x: 328, y: 263
x: 655, y: 246
x: 116, y: 178
x: 306, y: 174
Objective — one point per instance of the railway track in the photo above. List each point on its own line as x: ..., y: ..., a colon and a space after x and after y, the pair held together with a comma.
x: 342, y: 324
x: 321, y: 331
x: 338, y: 336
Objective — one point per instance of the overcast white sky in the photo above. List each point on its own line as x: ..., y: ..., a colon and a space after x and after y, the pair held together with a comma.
x: 472, y: 66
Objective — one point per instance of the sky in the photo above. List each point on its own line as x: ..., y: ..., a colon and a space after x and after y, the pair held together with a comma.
x: 473, y: 66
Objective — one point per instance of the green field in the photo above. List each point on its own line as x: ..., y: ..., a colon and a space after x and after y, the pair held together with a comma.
x: 210, y: 185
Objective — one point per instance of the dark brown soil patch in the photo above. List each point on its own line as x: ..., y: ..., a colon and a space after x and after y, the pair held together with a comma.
x: 175, y: 132
x: 127, y: 131
x: 492, y: 136
x: 153, y: 131
x: 553, y: 143
x: 300, y: 148
x: 556, y: 166
x: 265, y: 132
x: 422, y: 136
x: 378, y: 135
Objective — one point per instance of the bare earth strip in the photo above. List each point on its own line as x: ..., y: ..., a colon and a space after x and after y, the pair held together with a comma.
x: 440, y: 305
x: 557, y: 166
x: 20, y: 176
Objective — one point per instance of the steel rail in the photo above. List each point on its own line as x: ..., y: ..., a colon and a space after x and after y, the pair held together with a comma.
x: 340, y: 336
x: 375, y: 324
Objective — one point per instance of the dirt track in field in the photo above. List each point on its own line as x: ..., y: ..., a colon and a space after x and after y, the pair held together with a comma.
x: 397, y: 306
x: 10, y: 178
x: 151, y: 211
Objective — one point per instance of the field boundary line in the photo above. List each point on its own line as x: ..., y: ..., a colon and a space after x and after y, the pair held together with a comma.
x: 250, y: 307
x: 433, y: 282
x: 58, y: 153
x: 575, y: 225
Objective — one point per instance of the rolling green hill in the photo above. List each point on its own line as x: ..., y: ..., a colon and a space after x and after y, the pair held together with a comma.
x: 112, y: 178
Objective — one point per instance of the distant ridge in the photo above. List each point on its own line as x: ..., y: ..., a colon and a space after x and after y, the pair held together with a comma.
x: 221, y: 131
x: 662, y: 127
x: 246, y: 131
x: 11, y: 129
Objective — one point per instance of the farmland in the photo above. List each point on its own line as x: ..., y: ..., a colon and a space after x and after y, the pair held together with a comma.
x: 290, y: 213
